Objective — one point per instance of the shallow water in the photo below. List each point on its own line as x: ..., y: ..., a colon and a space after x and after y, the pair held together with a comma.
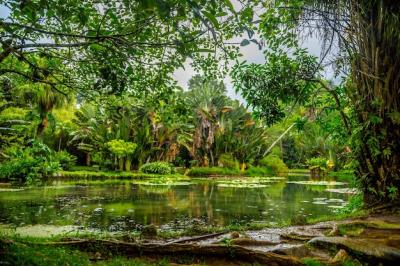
x: 129, y: 206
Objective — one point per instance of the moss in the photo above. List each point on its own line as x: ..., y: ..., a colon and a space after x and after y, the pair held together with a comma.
x: 120, y: 261
x: 350, y: 230
x: 312, y: 262
x: 338, y: 216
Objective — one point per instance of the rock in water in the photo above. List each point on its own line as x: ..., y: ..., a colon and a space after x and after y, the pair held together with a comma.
x: 235, y: 235
x: 149, y: 231
x: 98, y: 210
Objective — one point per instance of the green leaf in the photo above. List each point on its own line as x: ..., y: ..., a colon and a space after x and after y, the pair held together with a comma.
x: 212, y: 19
x: 244, y: 42
x: 230, y: 6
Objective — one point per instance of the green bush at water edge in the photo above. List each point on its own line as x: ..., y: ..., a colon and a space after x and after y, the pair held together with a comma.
x: 228, y: 161
x: 162, y: 168
x: 66, y: 160
x: 276, y: 164
x: 30, y: 165
x: 259, y: 171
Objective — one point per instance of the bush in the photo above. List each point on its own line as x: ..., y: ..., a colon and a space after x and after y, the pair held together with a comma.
x: 30, y: 165
x: 319, y: 162
x: 162, y: 168
x: 318, y: 167
x: 66, y: 160
x: 207, y: 171
x: 259, y: 171
x: 355, y: 203
x: 276, y: 164
x: 228, y: 161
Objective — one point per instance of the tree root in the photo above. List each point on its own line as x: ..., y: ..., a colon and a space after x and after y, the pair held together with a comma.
x: 236, y: 253
x: 196, y: 238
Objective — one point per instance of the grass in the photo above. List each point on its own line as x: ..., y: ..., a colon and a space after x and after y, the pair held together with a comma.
x: 259, y: 171
x: 337, y: 217
x: 300, y: 171
x: 16, y: 252
x: 312, y: 262
x: 84, y: 174
x: 222, y: 171
x: 344, y: 176
x: 208, y: 171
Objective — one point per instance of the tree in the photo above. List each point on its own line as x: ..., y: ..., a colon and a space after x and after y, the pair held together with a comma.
x: 367, y: 35
x: 111, y: 46
x: 122, y: 151
x: 222, y: 125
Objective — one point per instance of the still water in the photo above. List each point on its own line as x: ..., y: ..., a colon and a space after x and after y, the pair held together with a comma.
x: 129, y: 205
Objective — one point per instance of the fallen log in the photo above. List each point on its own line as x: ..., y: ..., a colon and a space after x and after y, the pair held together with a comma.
x: 234, y: 252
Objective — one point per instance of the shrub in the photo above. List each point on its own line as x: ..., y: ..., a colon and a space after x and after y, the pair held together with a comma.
x: 30, y: 165
x: 207, y: 171
x: 228, y: 161
x: 162, y: 168
x: 275, y: 163
x: 259, y: 171
x: 355, y: 203
x: 318, y: 167
x: 319, y: 162
x: 66, y: 160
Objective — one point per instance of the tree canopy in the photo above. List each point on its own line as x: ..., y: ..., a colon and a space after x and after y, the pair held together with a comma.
x: 115, y: 46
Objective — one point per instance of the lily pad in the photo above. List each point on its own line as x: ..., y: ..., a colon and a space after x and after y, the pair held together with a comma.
x: 336, y: 206
x: 320, y: 202
x: 242, y: 185
x: 343, y: 190
x: 11, y: 189
x: 318, y: 183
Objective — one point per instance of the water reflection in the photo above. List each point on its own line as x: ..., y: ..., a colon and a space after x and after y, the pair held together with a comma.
x: 128, y: 206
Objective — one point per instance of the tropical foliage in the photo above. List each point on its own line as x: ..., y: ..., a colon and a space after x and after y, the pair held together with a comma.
x: 91, y: 83
x: 361, y: 38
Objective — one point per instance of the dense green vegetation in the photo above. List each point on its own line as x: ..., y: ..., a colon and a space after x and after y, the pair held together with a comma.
x: 366, y: 37
x: 89, y: 98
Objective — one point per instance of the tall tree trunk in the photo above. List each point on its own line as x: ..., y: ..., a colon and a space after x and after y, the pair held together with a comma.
x: 88, y: 159
x: 376, y: 97
x: 42, y: 125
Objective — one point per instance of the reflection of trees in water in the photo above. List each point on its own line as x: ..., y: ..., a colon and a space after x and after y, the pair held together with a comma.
x: 145, y: 204
x: 154, y: 189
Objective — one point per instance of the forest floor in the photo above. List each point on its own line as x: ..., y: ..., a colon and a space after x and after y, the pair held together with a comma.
x: 367, y: 240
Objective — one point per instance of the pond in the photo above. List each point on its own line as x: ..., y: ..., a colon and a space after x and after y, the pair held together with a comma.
x: 129, y: 205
